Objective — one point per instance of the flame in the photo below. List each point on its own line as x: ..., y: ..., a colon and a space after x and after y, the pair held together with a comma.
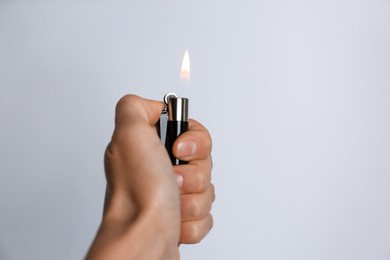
x: 185, y: 66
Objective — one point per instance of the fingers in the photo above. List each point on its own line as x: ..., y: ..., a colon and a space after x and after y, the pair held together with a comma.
x: 197, y: 193
x: 192, y: 232
x: 197, y: 206
x: 195, y: 215
x: 196, y: 175
x: 194, y: 144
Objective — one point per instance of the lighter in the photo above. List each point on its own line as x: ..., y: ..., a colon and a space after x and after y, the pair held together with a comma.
x: 173, y: 122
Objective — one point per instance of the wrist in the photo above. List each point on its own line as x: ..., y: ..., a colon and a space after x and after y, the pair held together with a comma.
x: 136, y: 233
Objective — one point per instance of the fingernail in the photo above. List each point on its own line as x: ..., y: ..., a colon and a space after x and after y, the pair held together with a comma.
x: 179, y: 180
x: 186, y: 148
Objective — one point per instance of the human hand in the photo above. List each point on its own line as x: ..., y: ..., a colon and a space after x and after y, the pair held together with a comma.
x: 142, y: 206
x: 141, y: 218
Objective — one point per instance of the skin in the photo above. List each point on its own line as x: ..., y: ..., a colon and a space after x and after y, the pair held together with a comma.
x: 151, y: 207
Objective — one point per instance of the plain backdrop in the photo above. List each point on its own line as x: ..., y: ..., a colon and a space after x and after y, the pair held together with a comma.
x: 295, y: 93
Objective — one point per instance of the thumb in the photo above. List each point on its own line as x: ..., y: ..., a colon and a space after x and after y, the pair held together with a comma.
x: 135, y: 148
x: 132, y: 108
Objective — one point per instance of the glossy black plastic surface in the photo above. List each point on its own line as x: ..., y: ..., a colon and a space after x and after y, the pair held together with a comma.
x: 174, y: 129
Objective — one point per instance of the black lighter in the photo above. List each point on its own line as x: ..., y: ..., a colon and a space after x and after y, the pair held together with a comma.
x: 173, y: 122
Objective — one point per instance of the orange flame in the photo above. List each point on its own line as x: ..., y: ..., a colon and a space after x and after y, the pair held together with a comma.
x: 185, y: 66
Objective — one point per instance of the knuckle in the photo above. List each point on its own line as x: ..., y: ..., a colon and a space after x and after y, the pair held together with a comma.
x: 192, y: 207
x: 127, y: 103
x: 202, y: 176
x: 196, y: 208
x: 126, y: 100
x: 194, y: 235
x: 200, y: 182
x: 194, y: 231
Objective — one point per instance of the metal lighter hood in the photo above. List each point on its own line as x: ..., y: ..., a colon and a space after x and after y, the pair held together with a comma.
x: 176, y: 109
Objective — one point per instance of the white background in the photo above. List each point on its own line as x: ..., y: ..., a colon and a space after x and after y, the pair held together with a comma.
x: 295, y: 93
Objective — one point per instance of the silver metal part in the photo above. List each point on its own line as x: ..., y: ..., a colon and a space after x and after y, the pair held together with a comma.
x: 163, y: 126
x: 168, y: 96
x: 166, y: 101
x: 164, y: 116
x: 178, y: 109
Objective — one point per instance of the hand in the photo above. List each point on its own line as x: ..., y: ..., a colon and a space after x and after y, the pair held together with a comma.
x: 197, y: 193
x: 143, y: 206
x: 141, y: 218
